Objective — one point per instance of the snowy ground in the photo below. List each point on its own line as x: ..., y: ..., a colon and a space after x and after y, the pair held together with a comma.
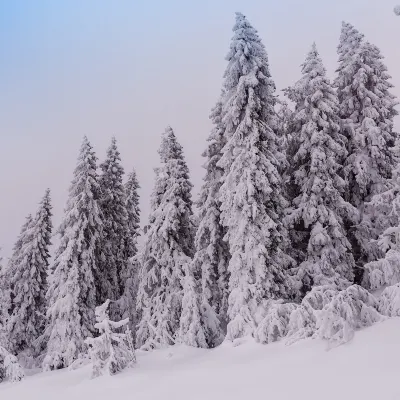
x: 366, y: 368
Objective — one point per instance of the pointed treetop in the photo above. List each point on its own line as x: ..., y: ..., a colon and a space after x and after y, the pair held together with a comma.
x: 350, y: 39
x: 169, y: 148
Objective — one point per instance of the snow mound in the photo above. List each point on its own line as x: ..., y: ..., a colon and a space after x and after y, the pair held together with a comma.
x: 235, y: 373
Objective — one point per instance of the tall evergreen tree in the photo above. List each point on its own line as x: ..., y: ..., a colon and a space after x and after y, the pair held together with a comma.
x: 251, y: 192
x: 367, y: 110
x: 28, y: 281
x: 112, y: 272
x: 71, y: 295
x: 318, y: 211
x: 127, y: 302
x: 7, y: 272
x: 212, y: 253
x: 168, y: 248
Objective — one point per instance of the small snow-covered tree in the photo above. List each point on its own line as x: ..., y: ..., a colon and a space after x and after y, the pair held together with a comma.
x: 303, y: 320
x: 112, y: 351
x: 168, y: 248
x: 333, y: 315
x: 386, y: 270
x: 351, y: 309
x: 212, y: 254
x: 10, y: 369
x: 389, y: 301
x: 71, y: 296
x: 251, y: 194
x: 28, y: 282
x: 112, y: 272
x: 318, y: 211
x: 274, y: 324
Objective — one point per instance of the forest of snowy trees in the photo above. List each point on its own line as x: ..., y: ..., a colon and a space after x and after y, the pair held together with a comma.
x: 295, y: 232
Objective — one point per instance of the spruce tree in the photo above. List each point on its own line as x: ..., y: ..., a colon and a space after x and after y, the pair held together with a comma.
x: 318, y: 211
x: 251, y: 193
x: 212, y: 254
x: 28, y: 281
x: 112, y: 272
x: 367, y: 110
x: 386, y: 270
x: 71, y: 296
x: 168, y: 248
x: 112, y: 351
x: 195, y: 329
x: 127, y: 302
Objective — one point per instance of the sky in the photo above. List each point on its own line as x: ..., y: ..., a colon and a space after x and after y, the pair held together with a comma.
x: 102, y: 68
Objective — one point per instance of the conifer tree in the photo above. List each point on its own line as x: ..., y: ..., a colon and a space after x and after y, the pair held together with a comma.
x: 212, y: 254
x: 386, y: 270
x: 318, y: 210
x: 127, y: 303
x: 3, y: 300
x: 112, y: 351
x: 251, y: 193
x: 28, y: 281
x: 112, y: 272
x: 193, y: 325
x: 367, y: 110
x: 71, y: 296
x: 7, y: 272
x: 168, y: 248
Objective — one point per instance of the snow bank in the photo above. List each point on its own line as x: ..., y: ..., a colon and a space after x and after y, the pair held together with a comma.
x: 305, y: 371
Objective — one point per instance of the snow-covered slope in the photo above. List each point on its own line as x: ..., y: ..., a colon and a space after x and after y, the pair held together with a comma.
x: 366, y: 368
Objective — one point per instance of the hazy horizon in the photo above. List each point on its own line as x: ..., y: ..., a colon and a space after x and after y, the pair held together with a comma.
x: 128, y: 69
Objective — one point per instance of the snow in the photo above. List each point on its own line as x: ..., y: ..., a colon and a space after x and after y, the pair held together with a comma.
x: 305, y: 370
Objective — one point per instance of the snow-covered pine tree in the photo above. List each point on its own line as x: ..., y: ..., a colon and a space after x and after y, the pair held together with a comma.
x: 22, y: 238
x: 10, y: 369
x: 284, y: 118
x: 212, y: 253
x: 126, y: 304
x: 133, y: 211
x: 318, y: 211
x: 367, y: 110
x: 112, y: 351
x: 112, y: 272
x: 251, y: 193
x: 193, y: 325
x: 71, y: 296
x: 28, y: 282
x: 3, y: 300
x: 168, y: 247
x: 386, y: 270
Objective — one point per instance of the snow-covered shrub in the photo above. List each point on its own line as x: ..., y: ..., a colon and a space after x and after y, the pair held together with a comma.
x: 349, y: 310
x: 275, y: 323
x: 112, y: 351
x: 389, y: 302
x: 10, y: 369
x: 385, y: 271
x: 303, y: 320
x: 333, y: 315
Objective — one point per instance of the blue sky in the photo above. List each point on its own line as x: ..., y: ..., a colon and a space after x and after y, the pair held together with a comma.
x: 129, y: 68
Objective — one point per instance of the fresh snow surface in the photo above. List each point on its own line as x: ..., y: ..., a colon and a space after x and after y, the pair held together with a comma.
x: 365, y: 368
